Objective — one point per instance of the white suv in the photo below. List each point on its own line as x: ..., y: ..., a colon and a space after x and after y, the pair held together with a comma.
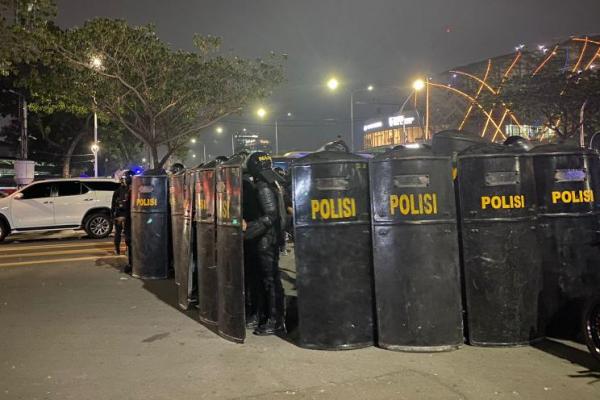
x: 59, y: 204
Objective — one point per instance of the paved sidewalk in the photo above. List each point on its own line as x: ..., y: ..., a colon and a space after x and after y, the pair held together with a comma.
x: 86, y: 331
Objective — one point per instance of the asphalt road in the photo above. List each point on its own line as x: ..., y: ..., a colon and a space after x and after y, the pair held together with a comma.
x: 54, y: 248
x: 81, y: 329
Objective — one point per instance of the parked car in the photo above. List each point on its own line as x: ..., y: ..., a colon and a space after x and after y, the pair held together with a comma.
x: 59, y: 204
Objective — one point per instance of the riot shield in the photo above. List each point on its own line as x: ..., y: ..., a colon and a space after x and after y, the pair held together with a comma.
x: 206, y: 236
x: 181, y: 201
x: 451, y: 142
x: 568, y: 189
x: 230, y: 250
x: 150, y: 227
x: 333, y: 251
x: 415, y: 251
x: 501, y: 261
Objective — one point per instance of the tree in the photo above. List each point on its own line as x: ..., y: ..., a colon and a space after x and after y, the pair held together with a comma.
x: 554, y: 100
x: 24, y: 28
x: 159, y: 95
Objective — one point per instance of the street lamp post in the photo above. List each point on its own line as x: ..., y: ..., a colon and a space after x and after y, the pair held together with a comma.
x: 333, y: 84
x: 95, y: 144
x: 262, y: 113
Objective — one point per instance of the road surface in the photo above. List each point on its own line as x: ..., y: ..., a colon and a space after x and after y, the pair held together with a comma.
x: 73, y: 326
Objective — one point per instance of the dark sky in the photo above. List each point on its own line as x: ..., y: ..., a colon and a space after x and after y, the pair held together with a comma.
x: 384, y: 42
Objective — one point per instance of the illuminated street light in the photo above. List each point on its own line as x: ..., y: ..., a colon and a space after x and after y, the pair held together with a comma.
x: 143, y: 160
x: 96, y: 62
x: 332, y: 84
x: 219, y: 129
x: 289, y: 114
x: 193, y: 140
x: 370, y: 88
x: 95, y: 148
x: 193, y: 156
x: 418, y: 85
x: 261, y: 112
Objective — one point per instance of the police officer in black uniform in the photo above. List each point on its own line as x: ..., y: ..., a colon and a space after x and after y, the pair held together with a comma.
x: 121, y: 212
x: 266, y: 231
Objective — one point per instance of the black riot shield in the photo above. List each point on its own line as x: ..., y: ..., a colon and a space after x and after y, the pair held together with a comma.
x: 150, y: 227
x: 230, y: 250
x: 567, y: 181
x: 206, y: 236
x: 333, y: 251
x: 181, y: 201
x: 501, y: 261
x: 452, y: 142
x: 415, y: 251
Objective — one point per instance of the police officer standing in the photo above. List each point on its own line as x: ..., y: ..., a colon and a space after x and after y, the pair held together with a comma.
x: 121, y: 212
x: 267, y: 232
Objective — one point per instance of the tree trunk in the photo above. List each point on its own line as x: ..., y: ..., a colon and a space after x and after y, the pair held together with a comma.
x: 69, y: 155
x: 154, y: 160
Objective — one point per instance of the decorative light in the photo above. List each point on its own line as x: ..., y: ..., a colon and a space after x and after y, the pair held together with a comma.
x: 95, y: 148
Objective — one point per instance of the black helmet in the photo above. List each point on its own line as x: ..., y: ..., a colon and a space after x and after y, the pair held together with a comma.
x: 176, y: 168
x: 260, y: 166
x: 127, y: 176
x: 518, y: 142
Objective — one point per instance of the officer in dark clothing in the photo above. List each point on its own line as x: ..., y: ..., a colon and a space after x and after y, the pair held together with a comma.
x: 121, y: 212
x: 267, y: 231
x: 251, y: 212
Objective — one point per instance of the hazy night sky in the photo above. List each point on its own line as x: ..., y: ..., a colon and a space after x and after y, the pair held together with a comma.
x: 383, y: 42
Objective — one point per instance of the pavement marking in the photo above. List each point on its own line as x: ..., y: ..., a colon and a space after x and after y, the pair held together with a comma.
x: 33, y: 246
x: 25, y: 263
x: 50, y: 253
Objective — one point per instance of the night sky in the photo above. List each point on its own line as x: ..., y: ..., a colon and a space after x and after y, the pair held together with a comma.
x: 380, y: 42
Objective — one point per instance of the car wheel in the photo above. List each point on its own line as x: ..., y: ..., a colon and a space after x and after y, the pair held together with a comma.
x: 591, y: 327
x: 3, y: 230
x: 98, y: 225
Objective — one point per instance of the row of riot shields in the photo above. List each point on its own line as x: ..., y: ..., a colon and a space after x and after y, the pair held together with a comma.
x: 421, y: 247
x: 192, y: 222
x: 413, y: 250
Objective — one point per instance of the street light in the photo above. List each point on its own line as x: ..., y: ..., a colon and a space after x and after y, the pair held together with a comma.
x: 333, y: 84
x: 262, y: 113
x: 97, y: 65
x: 95, y: 148
x: 417, y: 86
x: 193, y: 140
x: 219, y: 130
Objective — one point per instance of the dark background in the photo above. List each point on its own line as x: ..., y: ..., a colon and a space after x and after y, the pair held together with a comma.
x: 386, y: 43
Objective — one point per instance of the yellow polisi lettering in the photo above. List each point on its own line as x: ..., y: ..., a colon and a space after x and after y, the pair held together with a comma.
x: 414, y: 204
x: 151, y: 202
x: 573, y: 196
x: 505, y: 202
x: 326, y: 209
x: 225, y: 210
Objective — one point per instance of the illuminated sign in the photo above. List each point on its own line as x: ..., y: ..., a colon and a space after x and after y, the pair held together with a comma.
x: 398, y: 120
x: 373, y: 125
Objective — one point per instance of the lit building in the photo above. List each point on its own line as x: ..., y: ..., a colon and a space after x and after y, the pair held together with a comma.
x: 393, y: 130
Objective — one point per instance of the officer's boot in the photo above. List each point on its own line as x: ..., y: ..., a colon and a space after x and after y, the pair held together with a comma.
x: 275, y: 323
